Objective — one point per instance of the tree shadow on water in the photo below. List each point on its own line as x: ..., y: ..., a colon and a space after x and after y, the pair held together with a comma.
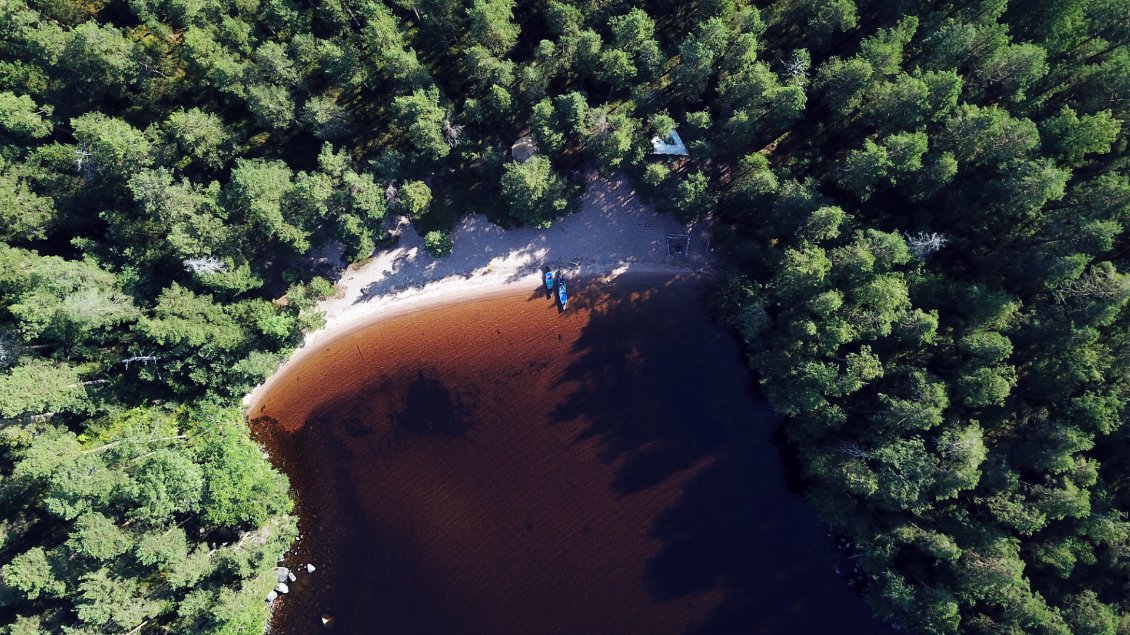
x: 337, y: 425
x: 416, y: 405
x: 638, y: 387
x: 430, y: 409
x: 666, y: 394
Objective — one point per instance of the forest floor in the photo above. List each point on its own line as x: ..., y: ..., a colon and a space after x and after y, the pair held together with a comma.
x: 614, y: 232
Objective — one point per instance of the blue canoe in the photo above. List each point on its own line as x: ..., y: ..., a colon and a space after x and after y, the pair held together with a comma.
x: 549, y: 280
x: 562, y: 294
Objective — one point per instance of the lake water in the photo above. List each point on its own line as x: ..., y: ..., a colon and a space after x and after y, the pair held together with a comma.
x: 498, y: 467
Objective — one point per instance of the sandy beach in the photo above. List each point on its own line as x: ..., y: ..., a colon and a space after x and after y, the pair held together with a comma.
x: 613, y: 233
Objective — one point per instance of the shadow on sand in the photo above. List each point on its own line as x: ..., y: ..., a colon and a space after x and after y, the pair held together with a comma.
x: 612, y: 229
x: 666, y: 395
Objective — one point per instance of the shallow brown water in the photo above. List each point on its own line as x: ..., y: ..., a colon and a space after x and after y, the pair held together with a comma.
x: 500, y: 467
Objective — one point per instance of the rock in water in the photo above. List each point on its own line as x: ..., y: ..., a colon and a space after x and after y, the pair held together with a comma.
x: 283, y: 573
x: 309, y: 568
x: 282, y: 588
x: 291, y: 577
x: 327, y: 620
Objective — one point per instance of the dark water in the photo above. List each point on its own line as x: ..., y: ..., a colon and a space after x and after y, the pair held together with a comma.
x: 499, y: 467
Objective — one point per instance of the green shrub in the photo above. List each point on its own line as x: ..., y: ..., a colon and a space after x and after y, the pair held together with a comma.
x: 438, y: 243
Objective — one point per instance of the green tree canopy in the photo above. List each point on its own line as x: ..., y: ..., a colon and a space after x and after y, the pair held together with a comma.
x: 533, y: 193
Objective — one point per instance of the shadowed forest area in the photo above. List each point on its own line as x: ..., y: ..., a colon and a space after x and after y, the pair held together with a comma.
x: 921, y: 203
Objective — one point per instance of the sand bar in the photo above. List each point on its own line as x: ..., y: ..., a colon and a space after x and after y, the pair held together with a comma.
x: 613, y: 233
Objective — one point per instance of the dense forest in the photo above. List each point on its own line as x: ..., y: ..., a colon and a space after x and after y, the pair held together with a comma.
x: 922, y: 202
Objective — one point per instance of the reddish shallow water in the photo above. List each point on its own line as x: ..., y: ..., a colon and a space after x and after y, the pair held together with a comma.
x: 500, y: 467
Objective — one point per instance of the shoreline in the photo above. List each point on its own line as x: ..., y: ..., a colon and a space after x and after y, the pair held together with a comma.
x: 443, y: 293
x: 614, y: 233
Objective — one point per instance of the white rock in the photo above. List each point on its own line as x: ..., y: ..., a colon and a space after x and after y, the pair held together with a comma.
x: 291, y: 577
x: 272, y: 596
x: 282, y: 588
x: 309, y: 568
